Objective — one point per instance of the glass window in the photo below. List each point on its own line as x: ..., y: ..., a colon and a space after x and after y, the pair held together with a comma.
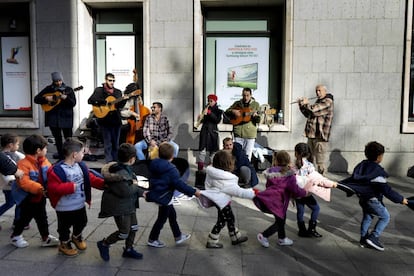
x: 243, y: 48
x: 16, y: 63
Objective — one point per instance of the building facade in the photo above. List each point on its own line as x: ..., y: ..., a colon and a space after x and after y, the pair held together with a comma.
x: 184, y: 50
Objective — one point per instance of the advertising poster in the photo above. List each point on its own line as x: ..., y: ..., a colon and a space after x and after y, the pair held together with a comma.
x: 16, y: 73
x: 120, y: 59
x: 242, y: 62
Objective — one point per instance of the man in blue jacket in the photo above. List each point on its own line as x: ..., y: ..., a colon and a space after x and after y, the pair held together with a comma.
x: 244, y: 169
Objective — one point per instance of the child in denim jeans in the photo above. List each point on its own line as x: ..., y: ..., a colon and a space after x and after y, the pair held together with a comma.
x: 369, y: 181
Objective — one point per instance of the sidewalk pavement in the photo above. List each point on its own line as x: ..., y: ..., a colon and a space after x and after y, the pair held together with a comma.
x: 336, y: 253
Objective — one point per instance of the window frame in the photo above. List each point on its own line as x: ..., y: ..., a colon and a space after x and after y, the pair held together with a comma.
x: 408, y: 94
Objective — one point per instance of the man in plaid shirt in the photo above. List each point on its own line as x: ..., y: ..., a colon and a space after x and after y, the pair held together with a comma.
x: 156, y: 130
x: 318, y: 125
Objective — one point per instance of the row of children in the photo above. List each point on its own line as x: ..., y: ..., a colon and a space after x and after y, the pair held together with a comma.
x: 285, y: 182
x: 70, y: 181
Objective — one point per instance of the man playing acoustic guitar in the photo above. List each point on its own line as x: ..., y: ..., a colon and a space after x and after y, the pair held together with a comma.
x: 59, y: 116
x: 107, y: 102
x: 244, y: 116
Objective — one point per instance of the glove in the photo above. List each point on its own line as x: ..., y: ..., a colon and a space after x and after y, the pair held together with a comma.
x: 256, y: 191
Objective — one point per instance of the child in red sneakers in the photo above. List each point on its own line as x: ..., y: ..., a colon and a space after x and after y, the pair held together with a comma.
x: 120, y: 200
x: 33, y: 185
x: 281, y: 186
x: 69, y: 187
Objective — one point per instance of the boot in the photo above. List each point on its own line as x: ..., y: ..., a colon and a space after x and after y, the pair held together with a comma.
x: 303, y: 232
x: 66, y: 249
x: 312, y: 229
x: 236, y: 237
x: 213, y: 241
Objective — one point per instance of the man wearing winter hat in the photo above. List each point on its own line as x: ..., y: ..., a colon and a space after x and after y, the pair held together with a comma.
x: 58, y: 100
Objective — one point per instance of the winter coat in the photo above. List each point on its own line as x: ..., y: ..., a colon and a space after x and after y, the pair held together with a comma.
x: 7, y: 180
x: 245, y: 130
x: 221, y: 185
x: 58, y: 185
x: 113, y: 118
x: 164, y: 179
x: 363, y: 182
x: 120, y: 196
x: 7, y: 166
x: 34, y: 180
x: 209, y: 138
x: 280, y: 188
x: 320, y: 116
x: 61, y: 115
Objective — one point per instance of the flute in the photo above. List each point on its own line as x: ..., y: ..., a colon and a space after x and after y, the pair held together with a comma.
x: 312, y: 98
x: 198, y: 123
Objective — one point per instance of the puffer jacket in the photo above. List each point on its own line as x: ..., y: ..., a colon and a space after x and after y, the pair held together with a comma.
x: 120, y: 196
x: 164, y: 179
x: 222, y: 185
x: 280, y: 188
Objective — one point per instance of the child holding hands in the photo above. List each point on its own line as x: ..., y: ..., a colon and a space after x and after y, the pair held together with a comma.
x: 69, y: 187
x: 221, y: 184
x: 120, y: 200
x: 307, y: 177
x: 281, y: 186
x: 33, y: 182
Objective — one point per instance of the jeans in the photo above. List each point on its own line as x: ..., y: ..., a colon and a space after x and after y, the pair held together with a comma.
x: 9, y: 202
x: 142, y: 145
x: 111, y: 142
x: 370, y: 208
x: 309, y: 201
x: 247, y: 145
x: 164, y: 213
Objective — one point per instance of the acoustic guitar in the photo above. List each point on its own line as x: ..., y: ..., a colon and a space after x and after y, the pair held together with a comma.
x: 57, y: 98
x: 102, y: 110
x: 246, y: 115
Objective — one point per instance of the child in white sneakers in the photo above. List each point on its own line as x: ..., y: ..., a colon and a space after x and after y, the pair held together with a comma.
x: 33, y: 183
x: 69, y: 187
x: 280, y: 188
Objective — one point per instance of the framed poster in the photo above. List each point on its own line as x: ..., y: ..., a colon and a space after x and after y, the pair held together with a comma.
x: 16, y: 73
x: 242, y: 62
x: 120, y: 59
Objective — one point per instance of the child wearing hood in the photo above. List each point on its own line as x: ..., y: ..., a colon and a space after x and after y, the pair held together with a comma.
x: 164, y: 180
x: 281, y: 186
x: 221, y: 184
x: 369, y: 181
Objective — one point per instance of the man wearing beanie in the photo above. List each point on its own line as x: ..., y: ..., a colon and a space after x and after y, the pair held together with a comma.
x: 209, y: 137
x: 58, y: 100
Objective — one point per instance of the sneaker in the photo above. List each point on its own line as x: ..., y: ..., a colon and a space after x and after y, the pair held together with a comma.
x: 50, y: 241
x: 263, y: 241
x: 285, y: 241
x: 182, y: 238
x: 363, y: 242
x: 186, y: 197
x: 103, y: 250
x: 19, y: 241
x: 175, y: 201
x: 375, y: 243
x: 66, y: 249
x: 131, y: 253
x: 79, y: 242
x: 156, y: 243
